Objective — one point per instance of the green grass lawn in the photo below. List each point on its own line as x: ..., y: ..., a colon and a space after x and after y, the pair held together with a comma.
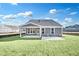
x: 14, y: 45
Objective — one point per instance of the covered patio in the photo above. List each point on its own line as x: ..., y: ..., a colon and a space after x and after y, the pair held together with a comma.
x: 37, y: 32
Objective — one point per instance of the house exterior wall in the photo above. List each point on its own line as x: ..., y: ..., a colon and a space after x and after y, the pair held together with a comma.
x: 47, y: 32
x: 58, y: 31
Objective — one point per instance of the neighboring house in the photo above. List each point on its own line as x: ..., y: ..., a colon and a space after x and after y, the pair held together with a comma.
x: 71, y: 28
x: 13, y: 28
x: 41, y: 28
x: 4, y: 29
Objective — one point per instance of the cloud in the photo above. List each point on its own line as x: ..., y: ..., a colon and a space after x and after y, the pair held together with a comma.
x: 68, y: 20
x: 53, y: 11
x: 27, y: 13
x: 1, y: 15
x: 64, y: 23
x: 55, y: 19
x: 8, y: 17
x: 68, y: 9
x: 47, y: 18
x: 73, y: 13
x: 14, y: 16
x: 20, y: 14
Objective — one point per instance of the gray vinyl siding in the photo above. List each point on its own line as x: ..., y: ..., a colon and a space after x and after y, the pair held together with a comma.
x: 47, y: 32
x: 58, y: 32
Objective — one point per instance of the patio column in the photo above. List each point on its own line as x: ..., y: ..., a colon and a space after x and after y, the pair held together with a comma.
x: 26, y: 30
x: 20, y: 31
x: 62, y: 31
x: 54, y: 31
x: 40, y: 31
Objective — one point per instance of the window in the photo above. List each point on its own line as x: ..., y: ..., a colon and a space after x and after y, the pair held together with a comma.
x: 33, y: 30
x: 28, y: 30
x: 52, y: 30
x: 42, y: 30
x: 37, y: 30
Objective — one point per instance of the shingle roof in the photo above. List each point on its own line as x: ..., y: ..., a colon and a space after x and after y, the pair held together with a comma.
x: 44, y: 22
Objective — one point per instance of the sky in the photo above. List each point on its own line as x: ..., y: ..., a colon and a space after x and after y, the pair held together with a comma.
x: 19, y: 13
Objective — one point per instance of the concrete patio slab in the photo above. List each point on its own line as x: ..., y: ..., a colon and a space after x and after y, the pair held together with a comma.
x: 52, y: 38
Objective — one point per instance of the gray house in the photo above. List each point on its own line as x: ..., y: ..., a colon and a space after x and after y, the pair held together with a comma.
x: 41, y: 28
